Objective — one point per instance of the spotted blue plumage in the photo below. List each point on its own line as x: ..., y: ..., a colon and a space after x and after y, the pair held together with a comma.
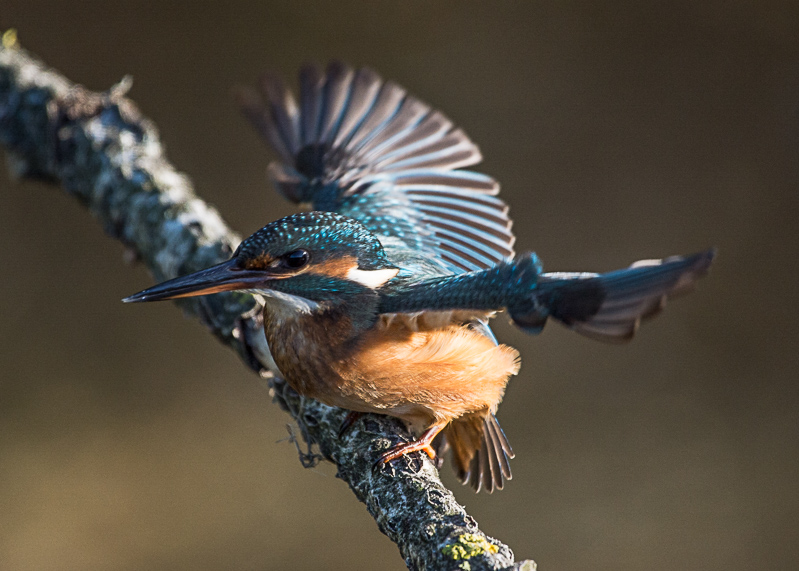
x: 320, y: 231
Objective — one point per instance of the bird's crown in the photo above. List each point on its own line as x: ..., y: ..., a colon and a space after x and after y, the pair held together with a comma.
x: 318, y: 242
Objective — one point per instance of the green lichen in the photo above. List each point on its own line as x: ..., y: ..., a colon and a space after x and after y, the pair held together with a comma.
x: 468, y: 545
x: 10, y: 40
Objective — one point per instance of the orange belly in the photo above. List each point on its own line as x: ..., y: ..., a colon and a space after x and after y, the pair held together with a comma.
x: 424, y: 376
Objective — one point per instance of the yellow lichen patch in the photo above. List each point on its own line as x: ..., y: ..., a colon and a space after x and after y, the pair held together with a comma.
x: 469, y: 545
x: 10, y: 39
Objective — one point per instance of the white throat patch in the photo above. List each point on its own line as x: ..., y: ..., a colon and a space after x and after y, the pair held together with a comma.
x: 371, y: 278
x: 285, y: 302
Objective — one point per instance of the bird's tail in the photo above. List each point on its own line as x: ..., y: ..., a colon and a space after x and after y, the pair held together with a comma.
x: 610, y: 306
x: 480, y: 452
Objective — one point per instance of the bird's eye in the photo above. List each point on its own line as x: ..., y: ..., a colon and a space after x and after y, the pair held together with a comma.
x: 296, y: 259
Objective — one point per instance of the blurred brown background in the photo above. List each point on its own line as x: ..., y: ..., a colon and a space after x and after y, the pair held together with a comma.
x: 130, y: 439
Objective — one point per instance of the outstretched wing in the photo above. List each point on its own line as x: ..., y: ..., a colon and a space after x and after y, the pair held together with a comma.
x: 363, y: 147
x: 610, y: 307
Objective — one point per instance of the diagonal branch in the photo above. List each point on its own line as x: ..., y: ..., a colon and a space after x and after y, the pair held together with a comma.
x: 103, y: 152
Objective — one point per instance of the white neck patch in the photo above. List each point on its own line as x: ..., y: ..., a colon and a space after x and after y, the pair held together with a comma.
x: 286, y: 302
x: 371, y: 278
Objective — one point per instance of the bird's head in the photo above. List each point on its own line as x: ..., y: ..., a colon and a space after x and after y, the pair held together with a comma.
x: 307, y: 258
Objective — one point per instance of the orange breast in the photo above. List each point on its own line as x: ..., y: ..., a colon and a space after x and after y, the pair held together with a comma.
x: 425, y: 376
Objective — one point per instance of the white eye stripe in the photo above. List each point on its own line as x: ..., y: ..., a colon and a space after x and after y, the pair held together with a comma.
x: 371, y: 278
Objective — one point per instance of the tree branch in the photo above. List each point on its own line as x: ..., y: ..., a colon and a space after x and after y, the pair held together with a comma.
x: 103, y: 152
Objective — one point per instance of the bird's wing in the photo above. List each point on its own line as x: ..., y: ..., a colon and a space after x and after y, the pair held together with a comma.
x: 610, y: 307
x: 363, y: 147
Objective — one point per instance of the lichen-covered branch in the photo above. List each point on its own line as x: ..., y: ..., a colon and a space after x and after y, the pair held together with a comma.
x: 103, y: 152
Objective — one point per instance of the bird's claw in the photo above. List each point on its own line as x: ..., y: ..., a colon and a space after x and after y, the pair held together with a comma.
x: 404, y: 450
x: 351, y: 418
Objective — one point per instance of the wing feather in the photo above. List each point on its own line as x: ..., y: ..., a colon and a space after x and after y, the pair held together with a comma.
x: 363, y: 95
x: 310, y: 104
x: 336, y: 95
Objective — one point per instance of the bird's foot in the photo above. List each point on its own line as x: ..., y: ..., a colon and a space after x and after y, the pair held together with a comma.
x: 423, y: 444
x: 404, y: 449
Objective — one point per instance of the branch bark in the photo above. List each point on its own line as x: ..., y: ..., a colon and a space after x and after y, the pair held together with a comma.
x: 102, y: 151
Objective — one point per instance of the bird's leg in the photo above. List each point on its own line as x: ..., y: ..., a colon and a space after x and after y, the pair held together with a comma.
x: 351, y: 418
x: 422, y: 444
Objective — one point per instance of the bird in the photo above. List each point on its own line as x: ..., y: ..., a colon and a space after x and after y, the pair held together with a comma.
x: 378, y: 295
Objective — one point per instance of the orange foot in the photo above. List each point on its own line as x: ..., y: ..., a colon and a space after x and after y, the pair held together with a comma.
x: 423, y: 444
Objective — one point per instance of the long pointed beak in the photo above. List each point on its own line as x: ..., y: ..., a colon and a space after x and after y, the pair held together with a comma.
x: 222, y: 277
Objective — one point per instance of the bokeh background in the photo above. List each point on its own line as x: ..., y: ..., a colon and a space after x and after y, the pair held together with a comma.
x: 130, y: 439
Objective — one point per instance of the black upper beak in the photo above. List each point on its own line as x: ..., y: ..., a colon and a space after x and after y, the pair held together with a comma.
x: 226, y: 276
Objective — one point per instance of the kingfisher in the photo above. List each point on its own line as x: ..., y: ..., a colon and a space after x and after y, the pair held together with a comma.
x: 378, y: 298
